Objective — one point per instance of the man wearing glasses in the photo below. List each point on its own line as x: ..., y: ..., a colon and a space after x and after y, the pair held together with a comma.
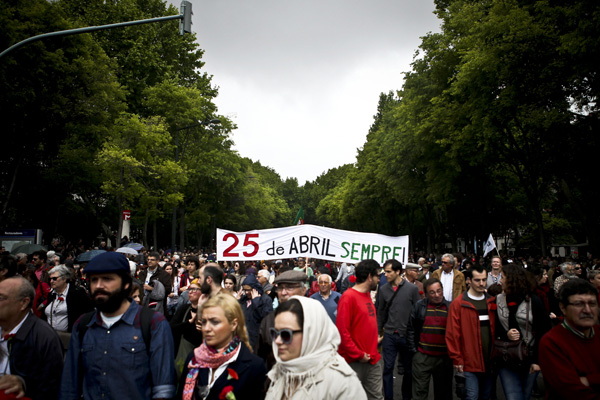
x: 288, y: 284
x: 155, y: 273
x: 38, y: 259
x: 569, y: 353
x: 31, y: 357
x: 568, y: 273
x: 452, y: 279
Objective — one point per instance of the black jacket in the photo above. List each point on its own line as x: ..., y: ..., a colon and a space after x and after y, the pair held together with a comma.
x: 78, y: 303
x: 250, y: 384
x: 36, y: 356
x: 415, y: 323
x: 160, y: 274
x: 181, y: 327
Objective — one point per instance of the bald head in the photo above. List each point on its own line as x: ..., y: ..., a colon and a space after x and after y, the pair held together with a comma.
x: 16, y: 300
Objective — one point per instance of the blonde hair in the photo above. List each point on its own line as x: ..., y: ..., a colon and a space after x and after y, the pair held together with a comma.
x: 232, y: 310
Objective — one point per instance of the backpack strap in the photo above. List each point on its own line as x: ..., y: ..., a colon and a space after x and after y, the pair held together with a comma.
x: 146, y: 316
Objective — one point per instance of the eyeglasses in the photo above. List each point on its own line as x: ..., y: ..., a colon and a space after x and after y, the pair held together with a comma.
x: 577, y: 268
x: 445, y: 262
x: 288, y: 287
x: 583, y: 304
x: 53, y: 278
x: 193, y: 289
x: 286, y: 334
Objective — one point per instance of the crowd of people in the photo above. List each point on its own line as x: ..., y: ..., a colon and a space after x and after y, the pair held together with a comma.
x: 186, y: 326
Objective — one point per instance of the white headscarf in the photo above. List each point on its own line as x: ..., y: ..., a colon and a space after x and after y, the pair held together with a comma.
x: 320, y: 340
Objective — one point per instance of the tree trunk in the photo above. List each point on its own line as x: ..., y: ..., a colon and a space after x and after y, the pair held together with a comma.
x: 155, y: 234
x: 145, y: 230
x: 119, y: 222
x: 182, y: 228
x: 174, y: 230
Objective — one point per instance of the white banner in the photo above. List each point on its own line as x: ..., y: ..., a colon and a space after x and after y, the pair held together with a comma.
x: 310, y: 241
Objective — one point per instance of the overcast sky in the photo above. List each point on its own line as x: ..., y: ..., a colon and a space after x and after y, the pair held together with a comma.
x: 302, y: 78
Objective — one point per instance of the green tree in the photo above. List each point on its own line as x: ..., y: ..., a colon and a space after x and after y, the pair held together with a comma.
x: 57, y: 98
x: 147, y: 54
x: 137, y: 168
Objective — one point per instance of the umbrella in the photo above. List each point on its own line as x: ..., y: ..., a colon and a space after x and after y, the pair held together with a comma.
x: 88, y: 255
x: 135, y: 246
x: 27, y: 248
x: 127, y: 250
x: 17, y: 244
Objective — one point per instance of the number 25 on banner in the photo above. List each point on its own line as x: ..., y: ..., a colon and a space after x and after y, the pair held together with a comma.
x: 229, y: 251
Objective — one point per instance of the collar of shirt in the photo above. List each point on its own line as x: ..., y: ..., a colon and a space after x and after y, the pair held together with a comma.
x: 14, y: 331
x: 577, y: 332
x: 323, y: 297
x: 63, y: 294
x: 127, y: 317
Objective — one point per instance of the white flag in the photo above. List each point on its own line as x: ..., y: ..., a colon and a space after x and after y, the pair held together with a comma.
x: 489, y: 245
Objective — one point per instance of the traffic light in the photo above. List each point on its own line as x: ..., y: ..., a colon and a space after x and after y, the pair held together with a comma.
x: 185, y: 24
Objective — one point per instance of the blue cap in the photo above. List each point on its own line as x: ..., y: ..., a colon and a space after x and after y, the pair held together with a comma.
x: 108, y: 262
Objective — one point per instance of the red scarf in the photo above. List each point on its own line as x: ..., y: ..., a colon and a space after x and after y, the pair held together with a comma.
x: 206, y: 357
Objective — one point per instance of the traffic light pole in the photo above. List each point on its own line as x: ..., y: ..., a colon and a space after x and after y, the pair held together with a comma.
x: 185, y: 26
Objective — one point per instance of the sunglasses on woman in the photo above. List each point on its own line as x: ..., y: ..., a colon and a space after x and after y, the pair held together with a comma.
x: 286, y: 334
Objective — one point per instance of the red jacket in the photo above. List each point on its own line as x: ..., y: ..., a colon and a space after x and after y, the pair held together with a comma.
x: 463, y: 334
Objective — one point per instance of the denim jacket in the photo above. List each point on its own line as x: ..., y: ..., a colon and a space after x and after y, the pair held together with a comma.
x: 115, y: 362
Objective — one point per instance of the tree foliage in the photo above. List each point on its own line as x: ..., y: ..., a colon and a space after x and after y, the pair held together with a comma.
x: 494, y: 130
x: 486, y: 132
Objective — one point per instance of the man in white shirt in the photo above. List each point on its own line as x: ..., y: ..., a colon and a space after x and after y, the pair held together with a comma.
x: 452, y: 279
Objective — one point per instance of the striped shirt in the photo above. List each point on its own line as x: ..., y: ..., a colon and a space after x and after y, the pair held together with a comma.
x: 484, y: 325
x: 432, y: 340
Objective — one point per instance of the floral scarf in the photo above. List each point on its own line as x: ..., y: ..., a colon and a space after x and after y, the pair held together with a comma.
x: 206, y: 356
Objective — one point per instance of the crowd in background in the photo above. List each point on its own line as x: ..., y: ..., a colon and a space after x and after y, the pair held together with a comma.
x: 298, y: 320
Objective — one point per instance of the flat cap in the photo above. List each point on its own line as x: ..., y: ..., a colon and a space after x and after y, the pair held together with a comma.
x: 291, y: 276
x: 108, y: 262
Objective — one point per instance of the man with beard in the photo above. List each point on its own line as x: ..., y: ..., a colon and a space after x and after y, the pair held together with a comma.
x: 357, y: 323
x: 210, y: 278
x: 109, y: 356
x: 569, y: 352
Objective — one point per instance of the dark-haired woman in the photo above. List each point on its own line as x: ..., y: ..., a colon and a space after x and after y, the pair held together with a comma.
x: 521, y: 315
x: 230, y: 285
x: 173, y: 297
